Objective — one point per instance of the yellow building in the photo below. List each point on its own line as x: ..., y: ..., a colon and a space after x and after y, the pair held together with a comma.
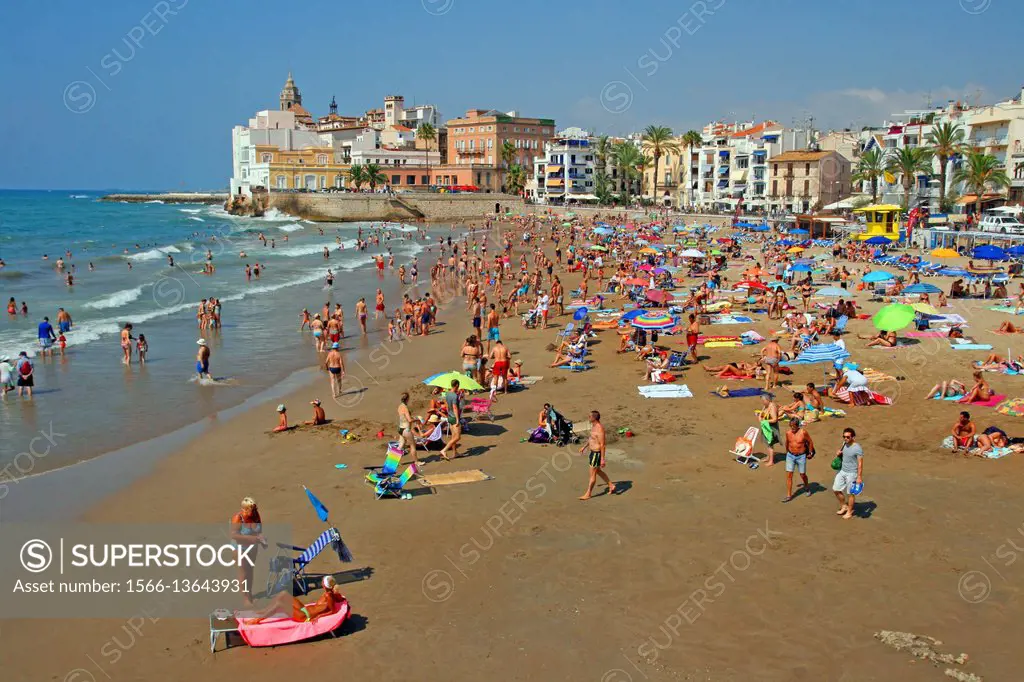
x: 309, y: 168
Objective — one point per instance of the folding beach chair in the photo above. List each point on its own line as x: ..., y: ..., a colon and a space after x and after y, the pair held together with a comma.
x: 391, y: 461
x: 565, y: 333
x: 481, y: 407
x: 289, y: 573
x: 743, y: 451
x: 393, y: 486
x: 841, y: 324
x: 435, y: 439
x: 675, y: 360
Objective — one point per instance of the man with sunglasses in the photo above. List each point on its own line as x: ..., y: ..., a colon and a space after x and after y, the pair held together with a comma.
x: 849, y: 474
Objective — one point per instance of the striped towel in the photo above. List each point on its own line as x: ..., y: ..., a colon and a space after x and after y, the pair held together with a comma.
x: 843, y: 396
x: 875, y: 375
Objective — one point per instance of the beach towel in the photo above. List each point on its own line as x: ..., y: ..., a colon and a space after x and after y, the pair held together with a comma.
x: 899, y: 344
x: 455, y: 477
x: 991, y: 402
x: 665, y: 391
x: 730, y: 319
x: 970, y: 346
x: 875, y: 375
x: 996, y: 453
x: 951, y: 318
x: 843, y: 396
x: 948, y: 398
x: 276, y: 631
x: 529, y: 380
x: 931, y: 334
x: 740, y: 393
x: 1004, y: 309
x: 705, y: 339
x: 723, y: 344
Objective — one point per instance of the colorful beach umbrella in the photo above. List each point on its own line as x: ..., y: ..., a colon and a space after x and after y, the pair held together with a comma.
x: 445, y: 381
x: 1013, y: 407
x: 795, y: 249
x: 877, y: 276
x: 691, y: 253
x: 648, y: 251
x: 925, y: 308
x: 752, y: 285
x: 778, y: 285
x: 893, y: 317
x: 945, y: 253
x: 922, y: 288
x: 653, y: 320
x: 636, y: 282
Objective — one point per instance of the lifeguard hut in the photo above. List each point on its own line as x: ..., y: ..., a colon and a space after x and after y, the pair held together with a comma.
x: 882, y: 220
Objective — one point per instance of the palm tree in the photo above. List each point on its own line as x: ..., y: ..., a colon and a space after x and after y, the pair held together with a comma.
x: 357, y: 174
x: 374, y: 176
x: 946, y: 140
x: 909, y: 162
x: 980, y: 171
x: 515, y: 179
x: 691, y: 139
x: 658, y: 141
x: 508, y: 153
x: 429, y: 134
x: 870, y: 167
x: 602, y: 150
x: 628, y: 159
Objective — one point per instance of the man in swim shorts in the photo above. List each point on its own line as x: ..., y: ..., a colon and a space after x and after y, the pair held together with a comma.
x: 799, y: 447
x: 692, y: 335
x: 203, y: 360
x: 493, y: 328
x: 500, y: 359
x: 335, y: 364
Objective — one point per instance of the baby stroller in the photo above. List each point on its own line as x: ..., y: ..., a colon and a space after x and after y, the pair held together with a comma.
x: 531, y: 319
x: 561, y: 429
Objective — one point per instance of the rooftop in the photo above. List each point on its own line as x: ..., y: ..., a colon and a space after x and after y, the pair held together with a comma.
x: 800, y: 155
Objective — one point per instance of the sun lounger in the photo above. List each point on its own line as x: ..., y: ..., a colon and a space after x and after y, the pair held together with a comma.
x: 284, y: 630
x: 435, y: 439
x: 391, y: 462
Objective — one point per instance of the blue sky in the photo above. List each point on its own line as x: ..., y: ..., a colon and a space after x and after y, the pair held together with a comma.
x: 143, y: 94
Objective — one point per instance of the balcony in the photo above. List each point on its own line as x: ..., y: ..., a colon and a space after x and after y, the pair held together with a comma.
x: 470, y: 152
x: 994, y: 141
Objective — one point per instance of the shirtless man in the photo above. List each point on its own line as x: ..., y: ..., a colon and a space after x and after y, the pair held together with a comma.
x: 500, y: 361
x: 771, y: 354
x: 964, y: 432
x: 799, y: 447
x: 595, y: 445
x: 335, y: 364
x: 692, y: 335
x: 814, y: 404
x: 477, y: 312
x: 333, y: 331
x: 558, y: 294
x: 202, y: 359
x: 379, y: 306
x: 361, y: 314
x: 493, y: 329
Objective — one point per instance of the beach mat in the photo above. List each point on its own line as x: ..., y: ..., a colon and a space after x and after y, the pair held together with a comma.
x: 843, y: 396
x: 740, y: 393
x: 530, y: 380
x: 991, y: 402
x: 971, y: 346
x: 730, y: 319
x: 951, y: 318
x: 454, y: 477
x: 665, y: 391
x: 1003, y: 309
x: 723, y: 344
x: 948, y: 398
x: 927, y: 335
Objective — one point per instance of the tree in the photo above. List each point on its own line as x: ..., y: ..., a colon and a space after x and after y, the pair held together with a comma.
x: 658, y: 141
x: 373, y: 176
x: 978, y: 172
x: 691, y: 140
x: 429, y: 134
x: 909, y: 162
x: 602, y: 152
x: 627, y: 159
x: 508, y: 154
x: 515, y: 179
x: 946, y: 140
x: 357, y: 174
x: 870, y: 168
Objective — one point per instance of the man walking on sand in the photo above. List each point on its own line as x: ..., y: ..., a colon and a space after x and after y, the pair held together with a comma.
x: 335, y: 364
x: 596, y: 446
x: 771, y: 354
x: 799, y: 448
x: 849, y: 474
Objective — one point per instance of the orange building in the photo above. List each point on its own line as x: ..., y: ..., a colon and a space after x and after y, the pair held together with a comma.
x: 475, y: 142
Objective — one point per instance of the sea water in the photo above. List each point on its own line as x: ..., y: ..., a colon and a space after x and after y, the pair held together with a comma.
x: 88, y: 401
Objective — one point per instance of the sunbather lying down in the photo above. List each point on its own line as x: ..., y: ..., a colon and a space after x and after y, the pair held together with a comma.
x: 997, y: 363
x: 1009, y: 328
x: 284, y: 604
x: 945, y: 389
x: 738, y: 370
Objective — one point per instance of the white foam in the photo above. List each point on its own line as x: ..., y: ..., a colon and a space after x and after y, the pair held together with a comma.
x: 154, y: 254
x: 155, y: 201
x: 80, y: 196
x: 290, y: 227
x: 190, y: 210
x: 192, y: 217
x: 116, y: 299
x: 310, y: 249
x: 275, y: 215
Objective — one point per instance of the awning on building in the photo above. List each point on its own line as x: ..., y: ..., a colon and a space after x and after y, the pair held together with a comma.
x: 723, y: 183
x: 973, y: 198
x: 724, y: 170
x: 739, y: 175
x: 555, y: 182
x: 723, y: 153
x: 552, y: 168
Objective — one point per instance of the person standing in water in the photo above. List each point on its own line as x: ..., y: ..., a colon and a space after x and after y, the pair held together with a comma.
x: 379, y: 307
x: 361, y: 313
x: 126, y: 344
x: 203, y: 360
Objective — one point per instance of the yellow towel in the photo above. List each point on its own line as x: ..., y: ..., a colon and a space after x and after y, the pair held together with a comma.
x: 723, y: 344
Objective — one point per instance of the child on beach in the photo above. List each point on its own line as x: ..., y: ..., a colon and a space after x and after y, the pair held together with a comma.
x: 141, y: 346
x: 282, y: 420
x: 62, y: 341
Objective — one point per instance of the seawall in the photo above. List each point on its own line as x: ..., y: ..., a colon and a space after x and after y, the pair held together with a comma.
x: 401, y: 207
x: 170, y: 197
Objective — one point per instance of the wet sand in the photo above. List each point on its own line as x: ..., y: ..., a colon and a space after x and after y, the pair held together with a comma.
x: 694, y: 572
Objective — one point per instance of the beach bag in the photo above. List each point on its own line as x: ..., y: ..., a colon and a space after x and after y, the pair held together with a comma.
x: 539, y: 435
x: 837, y: 463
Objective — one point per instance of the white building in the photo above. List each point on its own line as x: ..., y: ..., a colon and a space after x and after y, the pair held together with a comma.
x: 566, y: 170
x: 268, y: 128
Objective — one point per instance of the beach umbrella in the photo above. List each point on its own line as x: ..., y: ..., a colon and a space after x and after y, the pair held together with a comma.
x: 922, y: 288
x: 632, y: 314
x: 648, y: 251
x: 445, y: 381
x: 566, y: 224
x: 658, y: 296
x: 878, y: 240
x: 751, y: 285
x: 989, y: 252
x: 1013, y: 407
x: 653, y: 320
x: 597, y: 247
x: 893, y: 317
x: 801, y: 267
x: 946, y: 253
x: 799, y: 231
x: 832, y: 291
x: 778, y: 285
x: 646, y: 268
x: 321, y: 510
x: 603, y: 230
x: 925, y: 308
x: 716, y: 252
x: 1016, y: 250
x: 877, y: 276
x: 795, y: 249
x: 660, y: 271
x: 691, y: 253
x: 636, y: 282
x: 822, y: 352
x: 581, y: 314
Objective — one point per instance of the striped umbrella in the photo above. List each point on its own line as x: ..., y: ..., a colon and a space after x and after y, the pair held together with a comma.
x: 653, y: 320
x: 822, y: 352
x: 922, y: 288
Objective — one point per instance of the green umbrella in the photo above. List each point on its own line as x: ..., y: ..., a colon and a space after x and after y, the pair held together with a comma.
x: 445, y: 381
x: 893, y: 317
x: 570, y: 214
x: 566, y: 224
x: 716, y: 252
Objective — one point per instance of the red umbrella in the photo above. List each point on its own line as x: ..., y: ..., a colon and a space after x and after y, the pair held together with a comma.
x: 636, y: 282
x: 658, y: 296
x: 752, y: 285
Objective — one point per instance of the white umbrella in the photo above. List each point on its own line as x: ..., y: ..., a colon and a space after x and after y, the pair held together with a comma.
x: 691, y: 253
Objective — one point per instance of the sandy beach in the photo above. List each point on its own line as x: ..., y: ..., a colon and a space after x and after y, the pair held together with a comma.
x: 694, y: 571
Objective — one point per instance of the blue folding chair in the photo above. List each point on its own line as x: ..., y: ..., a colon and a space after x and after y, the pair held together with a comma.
x: 289, y: 573
x: 565, y: 333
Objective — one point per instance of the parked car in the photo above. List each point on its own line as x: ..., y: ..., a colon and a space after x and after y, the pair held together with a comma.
x: 1001, y: 223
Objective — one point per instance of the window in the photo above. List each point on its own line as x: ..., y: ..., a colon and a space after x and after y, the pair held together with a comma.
x: 490, y: 160
x: 807, y: 187
x: 775, y: 168
x: 296, y: 182
x: 266, y: 157
x: 516, y: 129
x: 321, y: 159
x: 410, y: 179
x: 668, y: 158
x: 245, y: 173
x: 243, y: 154
x: 490, y: 143
x: 775, y: 188
x: 282, y: 182
x: 807, y: 169
x: 425, y: 179
x: 396, y: 179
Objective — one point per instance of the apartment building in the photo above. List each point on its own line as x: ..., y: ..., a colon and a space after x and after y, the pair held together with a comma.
x: 475, y: 142
x: 806, y: 180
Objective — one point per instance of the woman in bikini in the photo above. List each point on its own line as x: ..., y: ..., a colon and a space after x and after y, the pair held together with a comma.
x: 735, y: 370
x: 470, y: 356
x: 126, y: 344
x: 883, y: 340
x: 980, y: 392
x: 284, y: 603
